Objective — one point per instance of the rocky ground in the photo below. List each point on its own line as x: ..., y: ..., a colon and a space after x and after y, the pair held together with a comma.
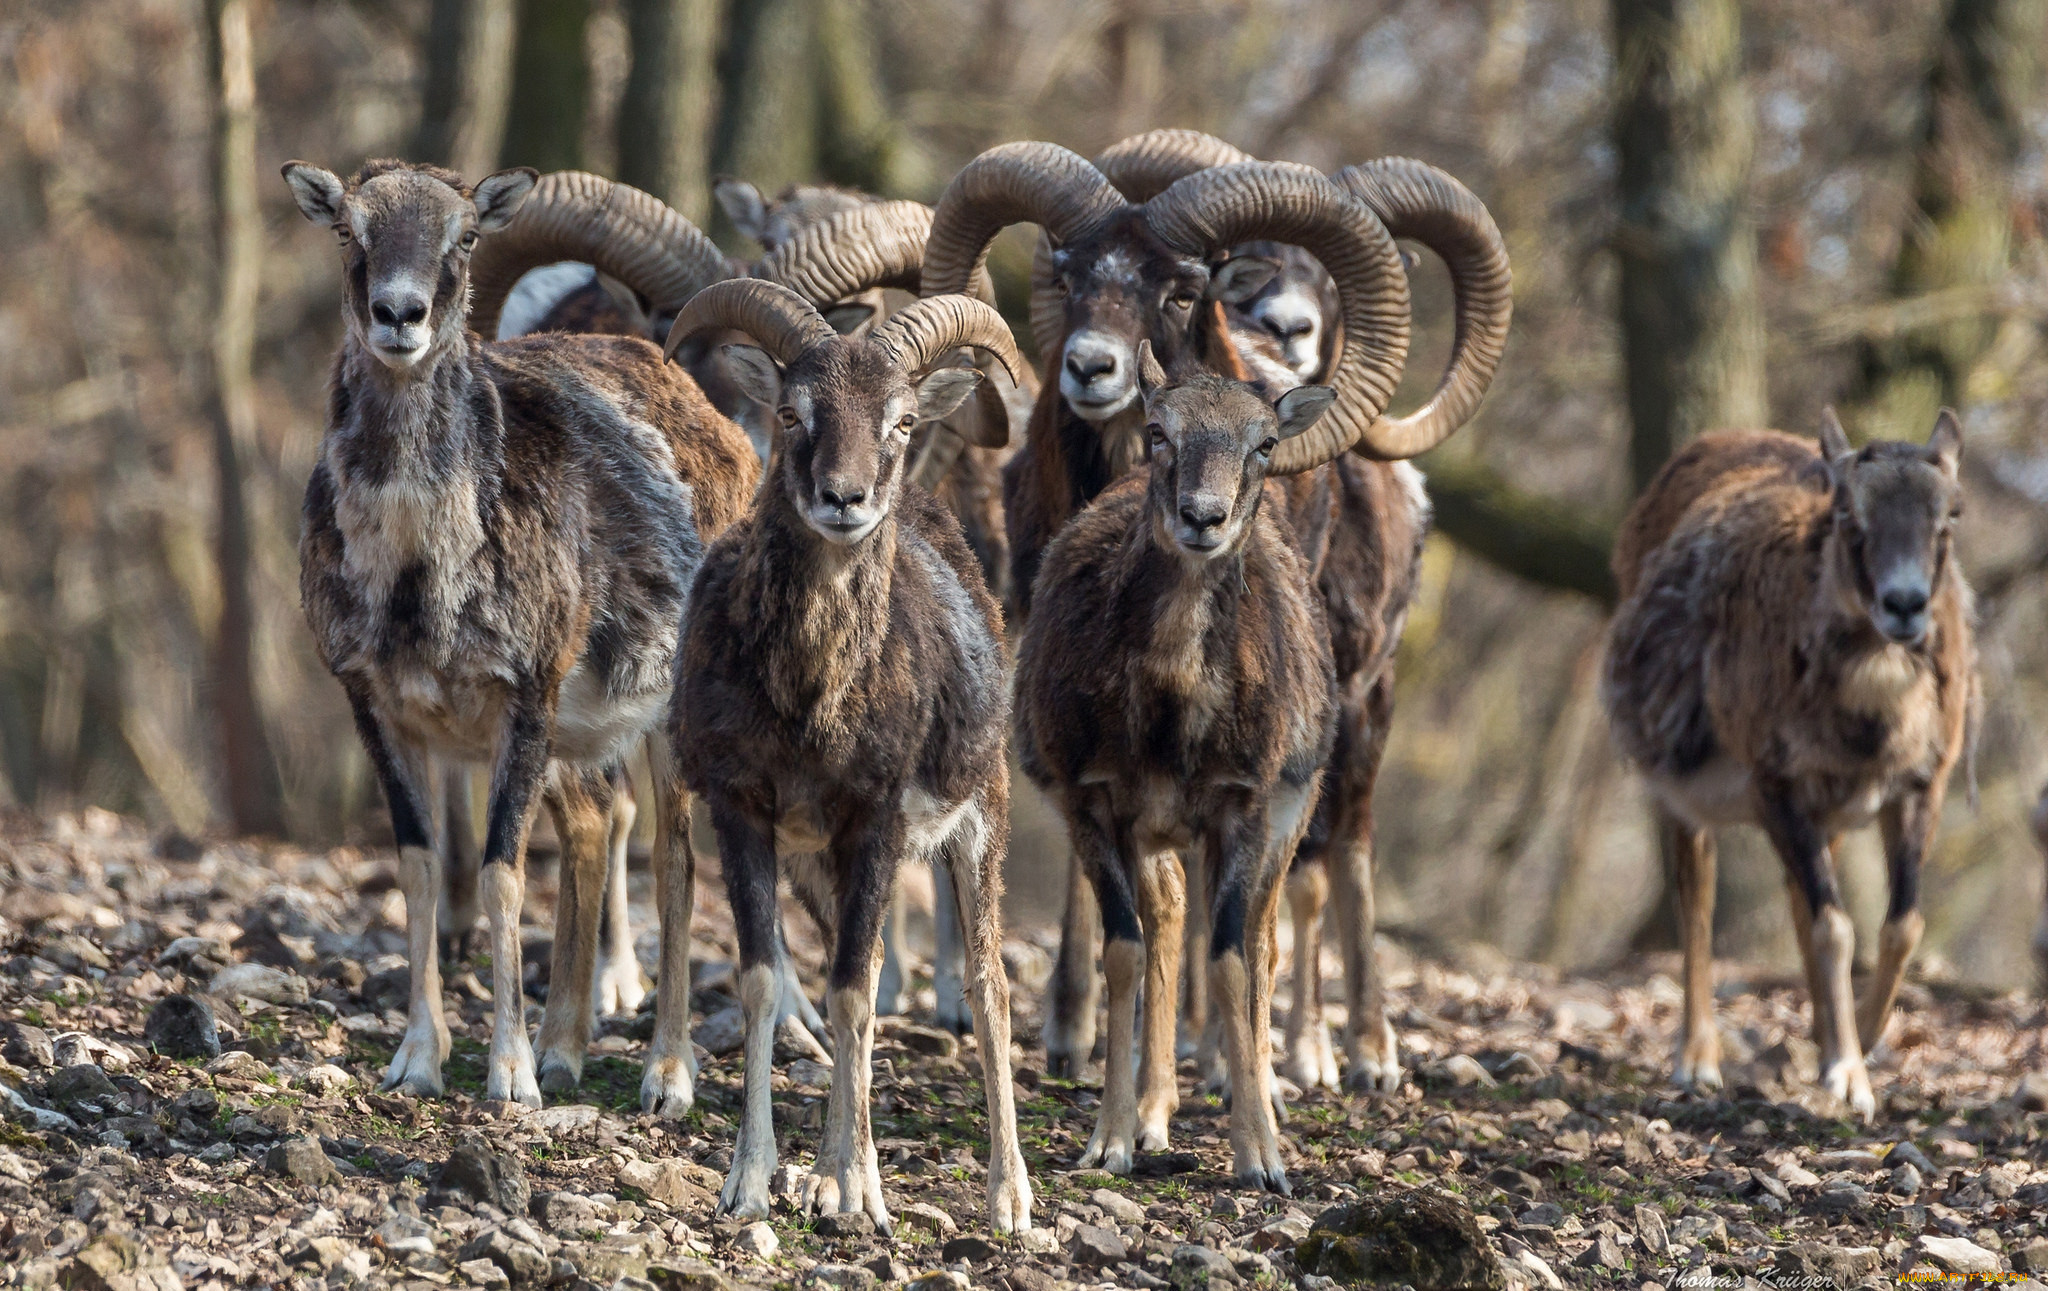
x: 1537, y: 1144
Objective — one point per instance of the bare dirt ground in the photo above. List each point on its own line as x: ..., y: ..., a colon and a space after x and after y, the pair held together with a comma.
x: 1536, y: 1125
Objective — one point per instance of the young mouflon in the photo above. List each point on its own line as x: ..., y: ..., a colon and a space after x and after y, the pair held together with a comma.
x: 1794, y: 650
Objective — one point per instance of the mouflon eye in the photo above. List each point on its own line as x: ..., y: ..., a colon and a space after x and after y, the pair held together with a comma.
x: 1157, y: 435
x: 344, y: 234
x: 906, y: 421
x: 469, y: 239
x: 786, y: 415
x: 1268, y: 445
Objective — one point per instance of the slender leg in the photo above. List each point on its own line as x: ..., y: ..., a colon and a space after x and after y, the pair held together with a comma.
x: 619, y: 987
x: 867, y: 842
x: 1310, y: 1059
x: 1199, y: 1038
x: 747, y: 852
x: 522, y: 766
x: 889, y: 988
x: 1163, y: 904
x: 581, y: 803
x: 668, y: 1087
x: 1071, y: 996
x: 1832, y: 939
x: 1100, y: 849
x: 405, y: 775
x: 791, y: 1002
x: 1369, y: 1042
x: 1696, y: 862
x: 1907, y: 824
x: 1240, y: 928
x: 947, y: 961
x: 975, y: 863
x: 459, y: 859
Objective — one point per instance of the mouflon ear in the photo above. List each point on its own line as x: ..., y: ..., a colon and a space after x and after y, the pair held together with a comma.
x: 1302, y: 407
x: 1834, y: 441
x: 754, y: 373
x: 744, y: 206
x: 1240, y: 278
x: 318, y: 192
x: 1947, y: 442
x: 944, y: 390
x: 498, y: 197
x: 1150, y: 375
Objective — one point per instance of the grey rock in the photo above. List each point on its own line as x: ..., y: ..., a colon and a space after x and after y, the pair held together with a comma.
x: 843, y: 1275
x: 182, y: 1026
x: 1828, y: 1264
x: 483, y: 1273
x: 845, y: 1224
x: 2032, y: 1257
x: 81, y: 1083
x: 1519, y: 1066
x: 1117, y: 1206
x: 966, y: 1247
x: 1099, y: 1247
x: 1281, y: 1234
x: 1905, y: 1180
x: 302, y: 1158
x: 40, y: 1119
x: 522, y: 1262
x: 325, y: 1251
x: 759, y: 1240
x: 1710, y: 1231
x: 25, y: 1045
x: 1839, y: 1196
x: 942, y: 1279
x: 1906, y: 1152
x: 117, y: 1261
x: 1604, y: 1253
x: 1194, y: 1267
x: 74, y: 954
x: 499, y: 1178
x: 1543, y: 1215
x: 887, y: 1268
x: 1956, y: 1254
x: 260, y: 982
x: 567, y: 1214
x: 405, y: 1235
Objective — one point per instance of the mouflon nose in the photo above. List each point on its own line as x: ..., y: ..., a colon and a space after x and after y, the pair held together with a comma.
x: 1905, y: 602
x: 398, y: 312
x: 1087, y: 367
x: 1203, y: 513
x: 1288, y: 329
x: 843, y: 496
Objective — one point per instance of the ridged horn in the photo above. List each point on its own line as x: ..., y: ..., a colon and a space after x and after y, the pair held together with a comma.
x: 1416, y: 200
x: 633, y: 236
x: 1012, y: 183
x: 879, y: 244
x: 923, y: 332
x: 1284, y: 202
x: 1140, y: 167
x: 780, y: 320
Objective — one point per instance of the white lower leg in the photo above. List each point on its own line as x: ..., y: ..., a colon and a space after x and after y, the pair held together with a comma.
x: 753, y: 1158
x: 947, y: 955
x: 669, y: 1085
x: 1251, y: 1110
x: 416, y: 1067
x: 1310, y: 1060
x: 847, y: 1178
x: 1116, y: 1126
x: 618, y: 988
x: 1841, y: 1057
x: 503, y: 889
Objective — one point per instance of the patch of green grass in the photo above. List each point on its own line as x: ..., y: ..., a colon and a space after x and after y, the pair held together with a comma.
x: 32, y: 1015
x: 210, y: 1198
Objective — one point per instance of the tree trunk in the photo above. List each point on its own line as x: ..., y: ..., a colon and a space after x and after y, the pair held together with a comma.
x: 254, y: 793
x: 1691, y: 326
x: 1983, y: 79
x: 665, y: 117
x: 1551, y: 544
x: 469, y: 80
x: 767, y: 122
x: 550, y: 86
x: 861, y: 141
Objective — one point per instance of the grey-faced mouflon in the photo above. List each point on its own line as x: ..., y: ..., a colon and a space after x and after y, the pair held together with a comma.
x: 497, y: 543
x: 1793, y: 650
x: 1176, y: 698
x: 1140, y: 251
x: 843, y: 252
x: 843, y: 705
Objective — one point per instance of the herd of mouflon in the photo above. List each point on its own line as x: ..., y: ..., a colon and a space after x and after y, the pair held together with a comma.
x: 811, y: 537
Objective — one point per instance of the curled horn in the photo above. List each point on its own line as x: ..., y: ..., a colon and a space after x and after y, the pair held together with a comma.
x: 1140, y: 167
x: 1011, y: 183
x: 1416, y: 200
x: 878, y: 244
x: 1284, y: 202
x: 921, y: 334
x: 784, y: 323
x: 633, y: 236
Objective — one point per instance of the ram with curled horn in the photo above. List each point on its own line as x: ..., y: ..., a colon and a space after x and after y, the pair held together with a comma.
x: 1160, y: 270
x: 843, y: 704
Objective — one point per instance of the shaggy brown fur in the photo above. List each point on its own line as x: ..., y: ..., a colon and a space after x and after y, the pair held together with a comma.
x: 1176, y: 695
x: 1794, y: 650
x: 497, y: 542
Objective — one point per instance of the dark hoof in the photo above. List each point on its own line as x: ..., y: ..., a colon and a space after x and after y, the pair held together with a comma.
x: 1061, y: 1066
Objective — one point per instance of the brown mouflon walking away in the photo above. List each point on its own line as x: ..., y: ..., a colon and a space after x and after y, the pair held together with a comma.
x: 498, y: 540
x: 1139, y: 250
x: 843, y: 705
x: 1793, y: 650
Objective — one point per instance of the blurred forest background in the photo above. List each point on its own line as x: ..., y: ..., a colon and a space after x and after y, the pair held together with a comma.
x: 1719, y: 213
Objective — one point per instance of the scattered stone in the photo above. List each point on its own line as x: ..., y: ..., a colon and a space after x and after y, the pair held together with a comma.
x: 80, y: 1083
x: 1956, y: 1254
x: 25, y: 1045
x: 1604, y: 1253
x: 239, y: 1064
x: 967, y: 1247
x: 1581, y: 1015
x: 1794, y: 1175
x: 1546, y: 1214
x: 1420, y: 1237
x: 182, y: 1026
x: 1038, y: 1241
x: 671, y: 1180
x: 844, y: 1224
x: 1846, y: 1159
x: 2031, y: 1094
x: 1826, y: 1264
x: 324, y: 1080
x: 325, y: 1251
x: 758, y: 1240
x: 74, y: 954
x: 118, y: 1262
x: 723, y: 1032
x: 1906, y: 1152
x: 945, y: 1279
x: 935, y: 1042
x: 569, y: 1118
x: 567, y: 1214
x: 499, y: 1178
x: 1117, y: 1206
x: 930, y: 1218
x: 1840, y: 1196
x: 887, y: 1268
x: 1520, y: 1066
x: 303, y: 1159
x: 1905, y: 1180
x: 1284, y: 1232
x: 2033, y: 1257
x: 1100, y: 1247
x: 1194, y: 1267
x: 483, y: 1273
x: 522, y: 1261
x: 185, y: 950
x: 1794, y: 1060
x: 1462, y: 1069
x: 1534, y: 1270
x: 404, y: 1235
x: 1710, y: 1231
x: 260, y: 982
x: 806, y: 1074
x: 1949, y: 1149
